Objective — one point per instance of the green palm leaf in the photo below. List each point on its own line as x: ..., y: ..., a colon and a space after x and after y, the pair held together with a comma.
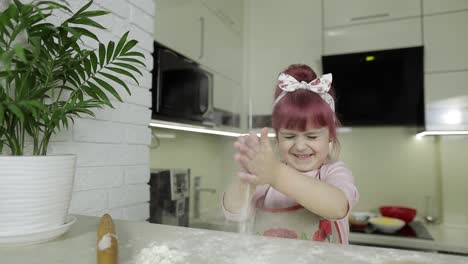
x: 2, y: 115
x: 109, y: 88
x: 124, y: 72
x: 86, y: 21
x: 53, y: 5
x: 134, y: 54
x: 16, y: 111
x: 81, y: 10
x: 128, y: 66
x: 87, y: 66
x: 120, y: 45
x: 90, y: 92
x: 117, y: 80
x: 80, y: 70
x: 102, y: 54
x: 84, y: 32
x: 110, y: 50
x: 128, y: 46
x: 94, y: 13
x: 94, y: 61
x: 103, y: 97
x: 132, y: 60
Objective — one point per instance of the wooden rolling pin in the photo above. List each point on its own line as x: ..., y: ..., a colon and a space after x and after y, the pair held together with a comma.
x: 106, y: 246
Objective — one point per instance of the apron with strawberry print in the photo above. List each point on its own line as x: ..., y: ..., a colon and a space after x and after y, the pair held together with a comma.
x: 293, y: 222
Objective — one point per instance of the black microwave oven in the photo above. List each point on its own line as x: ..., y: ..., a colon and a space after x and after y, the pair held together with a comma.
x: 181, y: 90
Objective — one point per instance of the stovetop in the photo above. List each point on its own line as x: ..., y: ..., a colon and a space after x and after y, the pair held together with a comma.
x: 414, y: 229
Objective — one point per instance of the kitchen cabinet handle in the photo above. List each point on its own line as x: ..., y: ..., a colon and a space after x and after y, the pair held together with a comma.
x: 202, y: 40
x: 370, y: 17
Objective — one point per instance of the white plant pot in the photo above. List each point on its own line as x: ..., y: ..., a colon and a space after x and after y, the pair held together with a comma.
x: 35, y: 193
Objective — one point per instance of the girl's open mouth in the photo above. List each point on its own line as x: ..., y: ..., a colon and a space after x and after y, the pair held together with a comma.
x: 303, y: 157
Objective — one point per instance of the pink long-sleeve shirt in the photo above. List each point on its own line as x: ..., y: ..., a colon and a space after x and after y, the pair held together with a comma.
x: 335, y: 174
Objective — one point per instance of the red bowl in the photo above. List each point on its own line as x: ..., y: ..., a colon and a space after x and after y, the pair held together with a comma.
x: 404, y: 213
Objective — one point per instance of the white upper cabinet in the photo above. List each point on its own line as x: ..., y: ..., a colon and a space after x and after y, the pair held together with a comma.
x: 222, y: 47
x: 227, y: 95
x: 348, y: 12
x: 178, y: 25
x: 438, y: 6
x: 446, y: 100
x: 230, y: 12
x: 203, y: 32
x: 279, y: 34
x: 446, y: 42
x: 373, y: 36
x: 446, y: 86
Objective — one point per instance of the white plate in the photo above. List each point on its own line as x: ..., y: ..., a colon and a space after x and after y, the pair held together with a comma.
x: 395, y: 225
x: 360, y: 218
x: 39, y: 236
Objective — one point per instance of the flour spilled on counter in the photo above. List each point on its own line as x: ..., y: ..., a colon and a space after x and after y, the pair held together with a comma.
x: 392, y: 256
x: 106, y: 241
x: 160, y: 254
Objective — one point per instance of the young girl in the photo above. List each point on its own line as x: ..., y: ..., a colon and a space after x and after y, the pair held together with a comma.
x: 307, y: 194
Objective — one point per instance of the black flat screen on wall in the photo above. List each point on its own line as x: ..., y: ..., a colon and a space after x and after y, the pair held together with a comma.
x: 378, y: 88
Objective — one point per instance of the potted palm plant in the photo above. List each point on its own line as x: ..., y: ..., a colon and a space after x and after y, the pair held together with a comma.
x: 47, y: 78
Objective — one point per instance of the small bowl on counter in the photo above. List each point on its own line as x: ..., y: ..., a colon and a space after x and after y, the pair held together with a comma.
x: 387, y: 224
x: 406, y: 214
x: 360, y: 218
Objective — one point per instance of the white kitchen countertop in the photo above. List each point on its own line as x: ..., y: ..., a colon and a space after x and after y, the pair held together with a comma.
x: 205, y: 246
x: 453, y: 239
x: 448, y: 239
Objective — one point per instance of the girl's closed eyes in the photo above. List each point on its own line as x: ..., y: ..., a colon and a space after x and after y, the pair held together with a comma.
x: 294, y: 136
x: 309, y: 135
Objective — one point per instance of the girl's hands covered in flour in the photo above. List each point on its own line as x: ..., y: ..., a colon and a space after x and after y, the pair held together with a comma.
x: 257, y: 159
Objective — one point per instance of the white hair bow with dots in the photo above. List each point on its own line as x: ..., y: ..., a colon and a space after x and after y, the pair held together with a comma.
x: 321, y: 86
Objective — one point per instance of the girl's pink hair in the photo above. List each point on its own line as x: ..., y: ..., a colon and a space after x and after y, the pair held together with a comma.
x: 301, y: 109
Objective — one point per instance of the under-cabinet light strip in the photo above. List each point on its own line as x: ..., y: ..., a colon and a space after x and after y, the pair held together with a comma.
x: 440, y: 133
x: 201, y: 129
x: 195, y: 129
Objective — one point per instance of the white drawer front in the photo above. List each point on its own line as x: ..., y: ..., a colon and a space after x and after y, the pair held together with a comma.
x: 438, y: 6
x: 446, y: 42
x: 378, y: 36
x: 341, y: 13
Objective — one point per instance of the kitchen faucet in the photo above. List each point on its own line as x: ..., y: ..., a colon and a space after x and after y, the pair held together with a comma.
x: 198, y: 189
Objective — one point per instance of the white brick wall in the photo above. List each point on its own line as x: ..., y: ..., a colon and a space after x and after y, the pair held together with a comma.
x: 85, y: 178
x: 112, y: 150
